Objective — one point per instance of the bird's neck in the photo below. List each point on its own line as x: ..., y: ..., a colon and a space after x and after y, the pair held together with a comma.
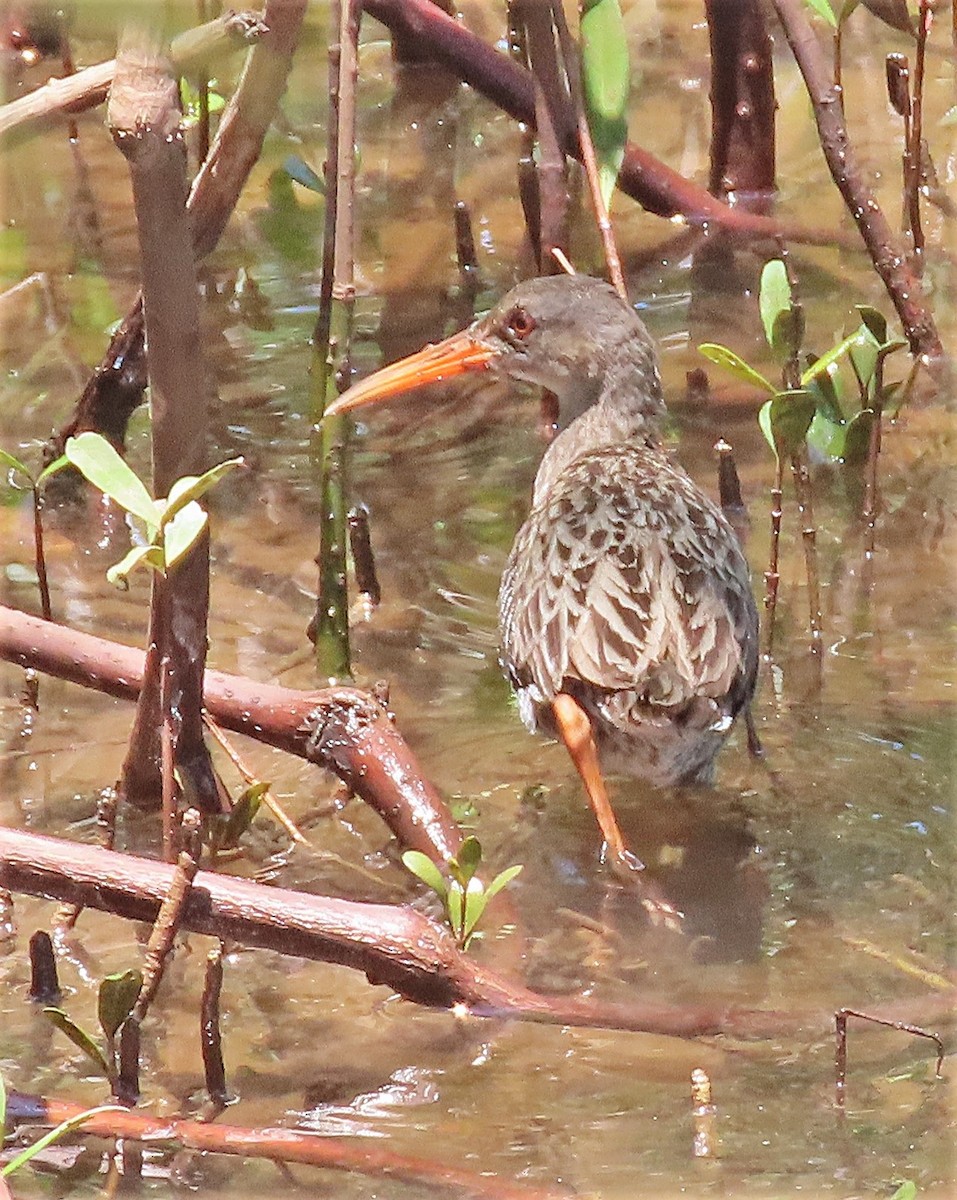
x: 618, y: 418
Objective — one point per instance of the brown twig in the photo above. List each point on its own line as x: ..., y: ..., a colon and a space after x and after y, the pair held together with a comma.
x: 342, y: 729
x: 280, y: 1145
x: 656, y: 186
x: 165, y: 928
x: 704, y: 1115
x: 772, y: 576
x: 840, y: 1047
x: 889, y: 260
x: 146, y: 123
x: 397, y: 947
x: 44, y: 982
x: 586, y: 152
x: 211, y: 1037
x: 801, y: 475
x: 742, y: 99
x: 88, y: 88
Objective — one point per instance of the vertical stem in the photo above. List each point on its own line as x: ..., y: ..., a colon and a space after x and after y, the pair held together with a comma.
x: 914, y: 151
x: 803, y: 490
x: 330, y: 625
x: 607, y: 233
x: 40, y: 556
x: 772, y: 576
x: 211, y: 1034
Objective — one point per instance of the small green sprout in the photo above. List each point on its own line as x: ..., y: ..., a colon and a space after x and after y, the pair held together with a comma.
x: 172, y: 525
x: 115, y: 1000
x: 464, y: 895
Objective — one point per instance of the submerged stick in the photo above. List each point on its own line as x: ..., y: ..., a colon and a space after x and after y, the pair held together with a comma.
x: 278, y: 1144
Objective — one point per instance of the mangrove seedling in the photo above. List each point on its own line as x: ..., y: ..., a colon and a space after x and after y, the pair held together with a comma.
x: 463, y: 894
x: 172, y: 525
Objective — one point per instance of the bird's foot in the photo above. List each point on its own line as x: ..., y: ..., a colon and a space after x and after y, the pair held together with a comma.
x: 631, y: 871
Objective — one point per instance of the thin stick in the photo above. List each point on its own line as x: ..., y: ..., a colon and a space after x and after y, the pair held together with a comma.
x: 252, y: 779
x: 40, y: 556
x: 210, y: 1032
x: 915, y: 157
x: 44, y: 982
x: 704, y: 1114
x: 772, y: 577
x: 587, y: 147
x: 888, y: 257
x: 840, y: 1047
x: 805, y: 502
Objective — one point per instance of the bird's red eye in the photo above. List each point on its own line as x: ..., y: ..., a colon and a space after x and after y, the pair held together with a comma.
x: 520, y: 323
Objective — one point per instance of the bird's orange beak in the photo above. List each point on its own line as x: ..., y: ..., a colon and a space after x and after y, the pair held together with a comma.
x: 457, y: 354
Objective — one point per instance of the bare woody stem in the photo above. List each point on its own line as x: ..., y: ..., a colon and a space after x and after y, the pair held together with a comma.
x: 888, y: 256
x: 342, y: 729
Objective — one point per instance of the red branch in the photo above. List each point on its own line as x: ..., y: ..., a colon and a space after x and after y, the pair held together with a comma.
x: 889, y: 259
x: 394, y: 946
x: 342, y: 729
x: 644, y: 177
x: 285, y: 1145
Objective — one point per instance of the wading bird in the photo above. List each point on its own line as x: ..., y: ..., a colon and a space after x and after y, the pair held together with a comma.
x: 628, y: 625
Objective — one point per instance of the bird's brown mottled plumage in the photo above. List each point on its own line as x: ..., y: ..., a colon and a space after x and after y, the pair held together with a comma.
x: 626, y: 596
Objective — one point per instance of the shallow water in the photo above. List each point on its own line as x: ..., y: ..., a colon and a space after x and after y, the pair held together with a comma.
x: 821, y: 879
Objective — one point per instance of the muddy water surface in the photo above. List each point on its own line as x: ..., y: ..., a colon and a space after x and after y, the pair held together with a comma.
x: 821, y: 879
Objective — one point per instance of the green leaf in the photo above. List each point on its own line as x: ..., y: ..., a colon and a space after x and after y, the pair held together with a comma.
x: 79, y: 1037
x: 191, y: 487
x: 54, y: 1135
x: 791, y: 417
x: 501, y: 880
x: 243, y: 814
x: 787, y: 332
x: 116, y: 998
x: 774, y: 297
x: 467, y: 861
x: 846, y: 9
x: 180, y: 534
x: 98, y: 461
x: 52, y: 469
x: 475, y: 902
x: 785, y: 420
x: 826, y: 436
x: 8, y: 460
x: 721, y: 356
x: 422, y: 867
x: 906, y: 1191
x: 150, y: 556
x: 857, y: 439
x: 454, y: 905
x: 606, y: 78
x: 892, y: 12
x: 300, y: 172
x: 823, y: 9
x: 863, y: 357
x: 826, y: 361
x: 874, y: 322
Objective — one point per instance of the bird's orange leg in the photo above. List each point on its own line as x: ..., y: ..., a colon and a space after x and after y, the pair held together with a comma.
x: 574, y: 728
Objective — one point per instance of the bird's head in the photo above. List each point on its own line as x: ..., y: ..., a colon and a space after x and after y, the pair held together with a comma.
x: 570, y: 334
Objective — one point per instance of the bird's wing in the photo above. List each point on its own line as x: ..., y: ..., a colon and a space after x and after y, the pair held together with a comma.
x: 628, y: 577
